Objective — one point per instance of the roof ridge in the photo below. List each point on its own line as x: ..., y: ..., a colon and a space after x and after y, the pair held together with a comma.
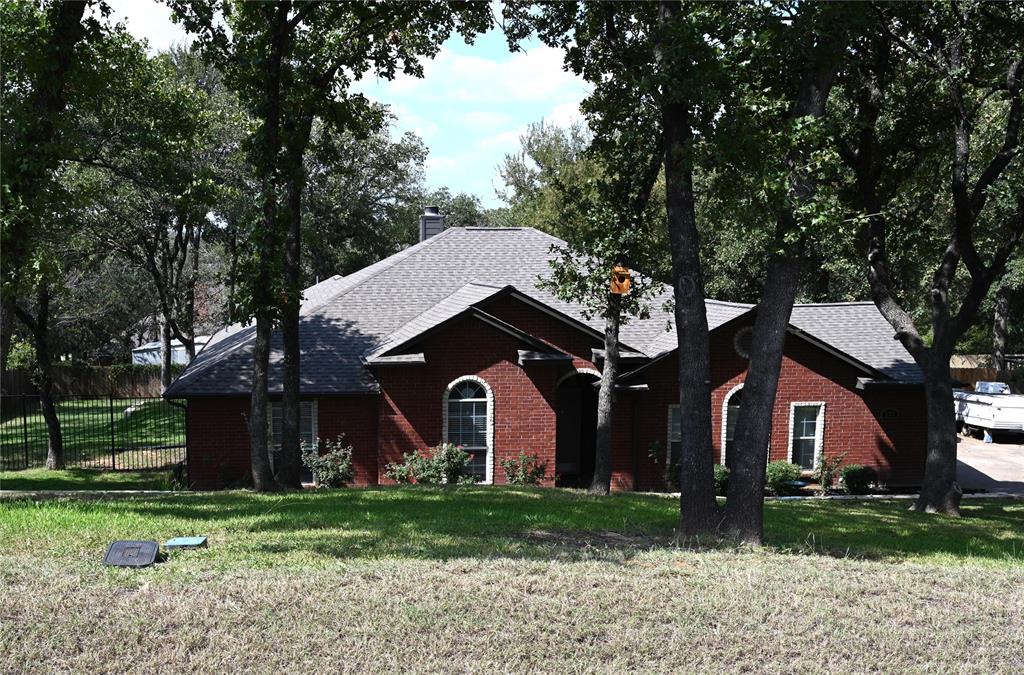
x: 398, y: 257
x: 834, y: 304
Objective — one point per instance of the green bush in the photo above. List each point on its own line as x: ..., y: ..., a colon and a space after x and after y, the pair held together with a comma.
x: 858, y: 478
x: 331, y: 468
x: 721, y: 480
x: 524, y: 470
x: 827, y: 471
x: 441, y: 464
x: 21, y: 355
x: 779, y: 475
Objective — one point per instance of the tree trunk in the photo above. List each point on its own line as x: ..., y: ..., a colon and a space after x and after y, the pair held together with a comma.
x: 940, y: 492
x: 744, y: 506
x: 6, y: 334
x: 39, y: 326
x: 259, y: 428
x: 699, y: 513
x: 602, y: 481
x: 999, y: 330
x: 195, y: 234
x: 289, y: 461
x: 265, y: 282
x: 166, y: 354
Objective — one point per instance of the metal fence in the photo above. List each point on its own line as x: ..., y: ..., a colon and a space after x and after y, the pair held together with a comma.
x: 99, y: 432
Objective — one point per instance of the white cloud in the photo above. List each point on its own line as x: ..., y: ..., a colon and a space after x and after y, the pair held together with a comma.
x: 149, y: 20
x: 506, y: 141
x: 534, y: 75
x: 485, y: 119
x: 565, y: 115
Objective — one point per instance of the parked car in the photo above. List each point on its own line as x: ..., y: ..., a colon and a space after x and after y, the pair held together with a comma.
x: 991, y: 407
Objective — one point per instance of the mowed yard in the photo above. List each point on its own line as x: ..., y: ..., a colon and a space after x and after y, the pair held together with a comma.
x: 506, y: 579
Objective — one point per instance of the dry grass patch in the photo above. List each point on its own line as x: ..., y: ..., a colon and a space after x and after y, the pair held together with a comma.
x: 655, y: 611
x: 488, y: 579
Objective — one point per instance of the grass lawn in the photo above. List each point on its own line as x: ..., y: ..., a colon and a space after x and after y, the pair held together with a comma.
x: 506, y: 579
x: 86, y: 424
x: 83, y: 479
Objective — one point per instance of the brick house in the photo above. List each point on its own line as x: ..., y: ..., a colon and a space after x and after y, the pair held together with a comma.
x: 451, y: 339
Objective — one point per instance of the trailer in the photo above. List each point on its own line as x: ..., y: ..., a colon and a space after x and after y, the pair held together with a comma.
x: 990, y: 408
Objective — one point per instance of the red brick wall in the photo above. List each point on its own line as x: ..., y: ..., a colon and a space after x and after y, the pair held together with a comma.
x: 218, y: 442
x: 411, y: 413
x: 868, y: 425
x: 549, y: 329
x: 218, y: 438
x: 356, y: 418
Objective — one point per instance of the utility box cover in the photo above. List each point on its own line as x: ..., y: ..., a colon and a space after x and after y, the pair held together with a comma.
x: 185, y: 542
x: 132, y: 553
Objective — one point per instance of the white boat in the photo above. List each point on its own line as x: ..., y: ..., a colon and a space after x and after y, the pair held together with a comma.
x: 990, y: 407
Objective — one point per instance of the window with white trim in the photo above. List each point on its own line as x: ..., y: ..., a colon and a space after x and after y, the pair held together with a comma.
x: 307, y: 424
x: 467, y: 421
x: 806, y: 427
x: 732, y: 416
x: 675, y: 434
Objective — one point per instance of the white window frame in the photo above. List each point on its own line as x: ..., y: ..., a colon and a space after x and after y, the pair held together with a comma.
x: 276, y: 447
x: 489, y: 460
x: 819, y: 429
x: 725, y: 418
x: 668, y: 432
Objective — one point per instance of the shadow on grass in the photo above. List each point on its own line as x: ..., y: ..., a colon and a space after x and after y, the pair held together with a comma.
x: 992, y: 530
x: 541, y: 524
x: 83, y: 479
x: 430, y: 523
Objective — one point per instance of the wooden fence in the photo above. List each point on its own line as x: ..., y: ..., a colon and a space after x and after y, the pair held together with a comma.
x: 971, y: 375
x: 125, y: 381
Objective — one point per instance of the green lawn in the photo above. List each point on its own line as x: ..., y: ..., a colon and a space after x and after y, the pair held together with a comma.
x: 84, y: 479
x: 87, y: 425
x: 508, y: 579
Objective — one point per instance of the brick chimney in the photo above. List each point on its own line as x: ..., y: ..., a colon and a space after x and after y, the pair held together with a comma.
x: 431, y: 222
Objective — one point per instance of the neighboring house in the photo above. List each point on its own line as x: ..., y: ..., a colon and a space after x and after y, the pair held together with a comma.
x: 149, y: 353
x: 452, y: 340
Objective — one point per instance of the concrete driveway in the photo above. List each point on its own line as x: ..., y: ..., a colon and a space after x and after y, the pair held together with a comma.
x: 993, y: 467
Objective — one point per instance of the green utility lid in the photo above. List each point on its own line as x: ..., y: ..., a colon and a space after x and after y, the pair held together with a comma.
x: 186, y: 542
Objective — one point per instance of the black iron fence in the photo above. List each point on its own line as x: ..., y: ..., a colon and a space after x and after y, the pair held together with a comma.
x: 99, y: 432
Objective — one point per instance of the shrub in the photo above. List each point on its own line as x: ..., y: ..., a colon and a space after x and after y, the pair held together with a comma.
x: 21, y: 354
x: 441, y: 464
x: 827, y: 471
x: 331, y: 468
x: 779, y: 475
x: 721, y: 480
x: 524, y: 470
x: 858, y: 478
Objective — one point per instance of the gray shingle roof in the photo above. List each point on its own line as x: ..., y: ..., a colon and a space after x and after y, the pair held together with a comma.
x: 347, y: 319
x: 860, y: 330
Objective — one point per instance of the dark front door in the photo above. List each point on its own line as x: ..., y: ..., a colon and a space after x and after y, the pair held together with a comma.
x: 577, y: 431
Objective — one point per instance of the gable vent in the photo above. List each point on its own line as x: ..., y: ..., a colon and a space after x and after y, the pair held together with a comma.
x: 431, y: 222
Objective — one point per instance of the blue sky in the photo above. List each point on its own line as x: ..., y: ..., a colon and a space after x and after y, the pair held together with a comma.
x: 470, y: 107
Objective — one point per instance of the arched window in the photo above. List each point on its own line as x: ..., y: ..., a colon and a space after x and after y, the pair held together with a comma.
x: 731, y: 413
x: 467, y: 420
